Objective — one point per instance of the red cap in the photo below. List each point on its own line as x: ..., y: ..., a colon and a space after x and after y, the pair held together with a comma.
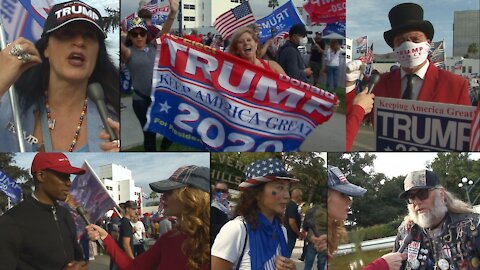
x: 54, y: 161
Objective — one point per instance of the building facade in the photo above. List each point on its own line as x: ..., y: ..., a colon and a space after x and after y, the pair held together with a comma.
x: 466, y: 31
x: 119, y: 183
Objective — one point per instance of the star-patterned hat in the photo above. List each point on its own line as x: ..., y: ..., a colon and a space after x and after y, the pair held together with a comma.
x: 338, y: 181
x: 265, y: 170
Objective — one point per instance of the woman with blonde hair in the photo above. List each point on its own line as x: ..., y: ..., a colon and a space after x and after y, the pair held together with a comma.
x: 255, y: 239
x: 185, y: 247
x: 244, y: 44
x: 339, y: 200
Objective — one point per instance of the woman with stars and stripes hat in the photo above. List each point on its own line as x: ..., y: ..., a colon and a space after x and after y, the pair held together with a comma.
x: 255, y: 239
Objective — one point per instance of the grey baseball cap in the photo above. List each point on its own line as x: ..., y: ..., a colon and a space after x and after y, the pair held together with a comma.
x: 423, y: 179
x: 192, y: 175
x: 337, y: 181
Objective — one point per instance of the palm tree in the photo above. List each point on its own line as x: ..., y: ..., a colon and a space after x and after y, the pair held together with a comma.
x: 112, y: 21
x: 273, y: 4
x: 472, y: 49
x: 153, y: 195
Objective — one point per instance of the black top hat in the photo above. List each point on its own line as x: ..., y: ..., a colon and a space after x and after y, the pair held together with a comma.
x: 407, y: 17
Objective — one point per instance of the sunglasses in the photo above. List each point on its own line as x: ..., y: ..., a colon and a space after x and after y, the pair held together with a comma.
x: 421, y: 195
x: 136, y: 34
x: 221, y: 190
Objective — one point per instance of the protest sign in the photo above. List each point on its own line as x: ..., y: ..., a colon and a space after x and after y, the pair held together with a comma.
x: 409, y: 125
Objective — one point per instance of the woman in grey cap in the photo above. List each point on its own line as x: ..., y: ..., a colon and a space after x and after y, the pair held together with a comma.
x: 255, y: 239
x: 340, y: 191
x: 139, y: 57
x: 51, y: 79
x: 186, y: 195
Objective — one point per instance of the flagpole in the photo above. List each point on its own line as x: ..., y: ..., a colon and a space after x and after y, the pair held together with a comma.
x: 13, y: 97
x: 8, y: 203
x: 180, y: 18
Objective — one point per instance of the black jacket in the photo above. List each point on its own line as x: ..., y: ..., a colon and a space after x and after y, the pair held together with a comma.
x: 37, y: 236
x: 290, y: 58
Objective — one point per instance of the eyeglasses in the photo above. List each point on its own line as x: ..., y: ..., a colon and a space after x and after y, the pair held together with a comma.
x: 221, y: 190
x: 135, y: 34
x: 422, y: 194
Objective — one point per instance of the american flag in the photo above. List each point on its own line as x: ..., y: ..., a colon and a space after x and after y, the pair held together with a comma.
x: 233, y: 19
x: 437, y: 54
x: 152, y: 5
x: 475, y: 131
x: 282, y: 34
x: 361, y: 44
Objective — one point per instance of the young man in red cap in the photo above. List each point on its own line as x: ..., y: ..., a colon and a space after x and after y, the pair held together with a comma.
x: 38, y: 233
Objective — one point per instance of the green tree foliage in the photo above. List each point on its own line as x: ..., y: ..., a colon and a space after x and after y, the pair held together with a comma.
x: 381, y: 191
x: 112, y: 21
x: 451, y: 167
x: 22, y: 176
x: 472, y: 49
x: 273, y: 4
x: 153, y: 195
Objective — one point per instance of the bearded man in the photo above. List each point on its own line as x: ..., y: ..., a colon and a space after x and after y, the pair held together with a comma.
x: 444, y: 229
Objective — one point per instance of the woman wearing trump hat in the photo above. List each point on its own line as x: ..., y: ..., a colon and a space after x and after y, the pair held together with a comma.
x: 340, y: 193
x: 186, y: 195
x: 51, y: 78
x: 255, y: 239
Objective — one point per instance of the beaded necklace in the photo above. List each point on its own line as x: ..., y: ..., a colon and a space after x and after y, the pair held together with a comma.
x: 51, y: 121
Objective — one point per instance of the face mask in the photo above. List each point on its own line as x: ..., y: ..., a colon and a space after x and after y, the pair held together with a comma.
x: 410, y: 54
x: 303, y: 41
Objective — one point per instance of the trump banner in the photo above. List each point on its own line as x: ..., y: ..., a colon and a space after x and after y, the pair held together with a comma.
x: 211, y: 100
x: 10, y: 188
x: 408, y: 125
x: 18, y: 22
x: 326, y: 11
x: 280, y: 20
x: 88, y: 192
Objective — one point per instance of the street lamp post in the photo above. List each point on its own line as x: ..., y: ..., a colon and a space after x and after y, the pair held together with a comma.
x: 468, y: 185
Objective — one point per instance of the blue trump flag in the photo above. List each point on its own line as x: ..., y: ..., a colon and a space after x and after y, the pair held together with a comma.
x: 38, y: 9
x: 10, y: 187
x: 280, y: 20
x: 18, y: 22
x: 334, y: 28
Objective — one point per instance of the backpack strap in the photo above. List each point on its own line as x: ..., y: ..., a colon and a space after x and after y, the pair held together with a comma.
x: 244, y: 245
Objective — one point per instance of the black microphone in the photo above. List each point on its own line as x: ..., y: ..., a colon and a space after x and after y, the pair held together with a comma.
x: 371, y: 83
x: 82, y: 213
x: 361, y: 83
x: 408, y: 239
x: 95, y: 93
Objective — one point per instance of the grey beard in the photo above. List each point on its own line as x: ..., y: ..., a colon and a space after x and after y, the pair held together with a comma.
x: 432, y: 216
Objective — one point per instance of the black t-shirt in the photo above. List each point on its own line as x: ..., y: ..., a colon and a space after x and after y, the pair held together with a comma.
x: 126, y: 230
x: 292, y: 212
x: 316, y: 54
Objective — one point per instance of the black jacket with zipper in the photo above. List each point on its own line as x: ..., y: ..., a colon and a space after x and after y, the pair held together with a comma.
x: 37, y: 236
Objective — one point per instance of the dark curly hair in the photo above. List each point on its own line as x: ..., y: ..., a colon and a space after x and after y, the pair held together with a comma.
x: 32, y: 83
x: 247, y: 206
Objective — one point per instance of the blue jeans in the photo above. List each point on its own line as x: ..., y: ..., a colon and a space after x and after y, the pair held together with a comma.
x: 291, y: 244
x: 332, y: 78
x: 310, y: 254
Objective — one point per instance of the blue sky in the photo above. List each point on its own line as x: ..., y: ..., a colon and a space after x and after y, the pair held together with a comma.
x: 145, y: 167
x: 370, y: 17
x: 395, y: 164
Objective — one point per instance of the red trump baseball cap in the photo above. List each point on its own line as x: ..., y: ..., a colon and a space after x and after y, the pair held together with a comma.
x: 54, y: 161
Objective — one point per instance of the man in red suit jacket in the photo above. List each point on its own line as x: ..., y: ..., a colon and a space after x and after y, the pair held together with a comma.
x: 417, y: 79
